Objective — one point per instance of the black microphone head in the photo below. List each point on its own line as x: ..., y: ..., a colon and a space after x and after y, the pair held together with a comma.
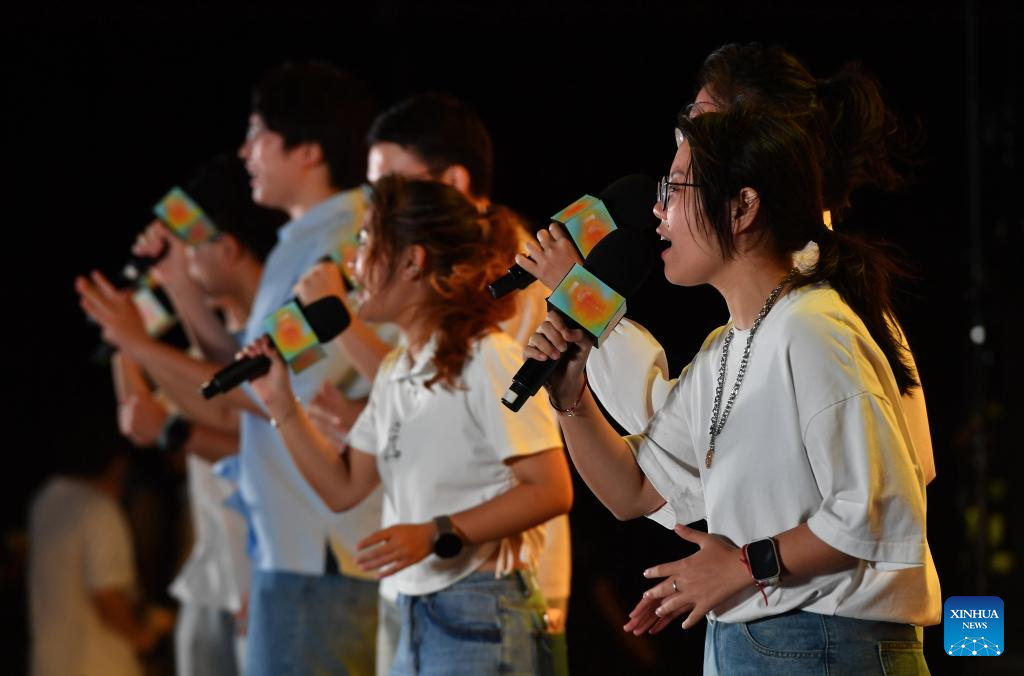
x: 630, y: 201
x: 327, y: 317
x: 624, y: 259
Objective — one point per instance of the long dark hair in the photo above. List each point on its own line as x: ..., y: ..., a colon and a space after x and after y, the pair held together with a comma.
x: 466, y: 250
x: 776, y: 156
x: 861, y: 139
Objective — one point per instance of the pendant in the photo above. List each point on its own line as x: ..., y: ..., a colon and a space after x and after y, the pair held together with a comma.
x: 708, y: 458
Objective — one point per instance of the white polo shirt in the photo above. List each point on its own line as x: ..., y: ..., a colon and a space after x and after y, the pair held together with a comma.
x: 816, y: 435
x: 443, y: 451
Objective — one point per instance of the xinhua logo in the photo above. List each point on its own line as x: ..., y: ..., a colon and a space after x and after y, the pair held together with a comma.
x: 973, y: 626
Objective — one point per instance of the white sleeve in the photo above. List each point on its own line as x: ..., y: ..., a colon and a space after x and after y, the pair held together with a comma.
x: 873, y: 504
x: 629, y: 375
x: 532, y: 428
x: 108, y: 558
x: 666, y: 454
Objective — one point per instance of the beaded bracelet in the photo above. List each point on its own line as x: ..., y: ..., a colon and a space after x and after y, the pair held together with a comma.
x: 571, y: 411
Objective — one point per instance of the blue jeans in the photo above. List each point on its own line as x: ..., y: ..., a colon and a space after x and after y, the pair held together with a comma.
x: 310, y: 624
x: 800, y: 643
x: 476, y: 627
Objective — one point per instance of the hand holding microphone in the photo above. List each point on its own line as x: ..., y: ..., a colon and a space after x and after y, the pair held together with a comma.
x: 551, y: 256
x: 625, y: 204
x: 592, y: 299
x: 297, y: 331
x: 273, y: 387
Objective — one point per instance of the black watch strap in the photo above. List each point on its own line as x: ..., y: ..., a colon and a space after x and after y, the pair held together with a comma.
x: 174, y: 433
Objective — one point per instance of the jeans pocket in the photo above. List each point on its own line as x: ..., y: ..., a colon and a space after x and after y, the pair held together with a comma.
x: 798, y: 635
x: 466, y: 615
x: 902, y: 658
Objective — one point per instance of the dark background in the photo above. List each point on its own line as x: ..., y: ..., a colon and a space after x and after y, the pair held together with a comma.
x: 104, y: 109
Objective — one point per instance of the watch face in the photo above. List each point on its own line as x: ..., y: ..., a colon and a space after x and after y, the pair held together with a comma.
x: 447, y: 545
x: 764, y: 562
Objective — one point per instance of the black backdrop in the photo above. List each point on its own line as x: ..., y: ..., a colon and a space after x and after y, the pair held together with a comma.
x: 105, y: 108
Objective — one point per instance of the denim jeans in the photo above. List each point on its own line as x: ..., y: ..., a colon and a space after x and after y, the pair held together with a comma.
x: 310, y: 624
x: 800, y: 643
x: 476, y: 627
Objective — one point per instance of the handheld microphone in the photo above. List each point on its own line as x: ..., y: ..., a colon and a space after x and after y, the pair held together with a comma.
x: 326, y: 318
x: 592, y: 298
x: 626, y: 203
x: 137, y: 266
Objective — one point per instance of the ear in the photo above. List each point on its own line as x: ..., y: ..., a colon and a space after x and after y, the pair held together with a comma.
x: 309, y: 154
x: 458, y: 177
x: 745, y: 209
x: 230, y: 248
x: 414, y: 263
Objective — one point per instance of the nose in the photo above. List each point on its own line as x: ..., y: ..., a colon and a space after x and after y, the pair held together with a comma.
x: 659, y: 213
x: 243, y: 150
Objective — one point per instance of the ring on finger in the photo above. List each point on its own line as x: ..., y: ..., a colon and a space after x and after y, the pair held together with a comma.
x: 674, y: 587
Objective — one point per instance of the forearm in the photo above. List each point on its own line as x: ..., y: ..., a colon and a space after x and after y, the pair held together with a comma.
x: 364, y: 348
x: 202, y: 325
x: 211, y: 444
x: 514, y: 511
x: 804, y: 554
x: 117, y: 612
x: 182, y: 374
x: 606, y: 463
x: 327, y: 471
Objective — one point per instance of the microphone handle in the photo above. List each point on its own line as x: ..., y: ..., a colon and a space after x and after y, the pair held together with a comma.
x: 514, y: 280
x: 235, y: 374
x: 528, y: 380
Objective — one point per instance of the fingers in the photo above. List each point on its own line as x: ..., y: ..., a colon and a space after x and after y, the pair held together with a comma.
x: 527, y: 264
x: 695, y: 616
x: 557, y: 231
x: 665, y: 588
x: 691, y: 535
x: 104, y: 285
x: 544, y: 346
x: 374, y: 538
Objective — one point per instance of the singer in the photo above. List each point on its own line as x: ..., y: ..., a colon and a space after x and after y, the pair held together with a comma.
x: 629, y: 375
x: 468, y: 483
x: 785, y: 431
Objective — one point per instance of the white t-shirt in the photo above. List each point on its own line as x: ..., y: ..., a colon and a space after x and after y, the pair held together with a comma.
x: 629, y: 376
x: 217, y: 570
x: 443, y: 451
x: 816, y: 435
x: 79, y: 543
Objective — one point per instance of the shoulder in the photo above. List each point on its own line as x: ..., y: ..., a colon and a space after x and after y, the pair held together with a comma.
x: 495, y: 351
x: 826, y: 342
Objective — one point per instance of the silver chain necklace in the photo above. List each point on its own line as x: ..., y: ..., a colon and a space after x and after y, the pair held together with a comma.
x: 718, y: 425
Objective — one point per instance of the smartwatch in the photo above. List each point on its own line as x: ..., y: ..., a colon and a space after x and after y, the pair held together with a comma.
x: 174, y: 433
x: 447, y: 544
x: 763, y: 562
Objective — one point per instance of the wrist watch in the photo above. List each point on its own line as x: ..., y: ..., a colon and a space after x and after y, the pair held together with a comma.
x: 174, y: 433
x: 447, y: 543
x: 763, y: 561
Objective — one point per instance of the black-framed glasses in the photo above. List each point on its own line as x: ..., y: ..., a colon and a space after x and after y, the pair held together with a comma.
x: 663, y: 190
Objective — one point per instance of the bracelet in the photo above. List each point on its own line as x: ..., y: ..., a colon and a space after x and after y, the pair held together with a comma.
x: 275, y: 423
x: 571, y: 411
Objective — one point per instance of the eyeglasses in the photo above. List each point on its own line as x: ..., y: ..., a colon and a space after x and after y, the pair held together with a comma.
x: 663, y: 190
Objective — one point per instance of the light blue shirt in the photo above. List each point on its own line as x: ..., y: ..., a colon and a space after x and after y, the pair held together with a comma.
x: 290, y: 521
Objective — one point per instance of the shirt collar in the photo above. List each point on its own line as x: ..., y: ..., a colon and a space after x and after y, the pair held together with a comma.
x: 348, y: 205
x: 420, y: 367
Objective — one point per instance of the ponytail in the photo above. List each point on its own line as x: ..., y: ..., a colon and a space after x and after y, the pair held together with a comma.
x: 863, y: 273
x: 862, y: 138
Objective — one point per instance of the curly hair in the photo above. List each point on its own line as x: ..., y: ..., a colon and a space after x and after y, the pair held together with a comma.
x: 466, y: 250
